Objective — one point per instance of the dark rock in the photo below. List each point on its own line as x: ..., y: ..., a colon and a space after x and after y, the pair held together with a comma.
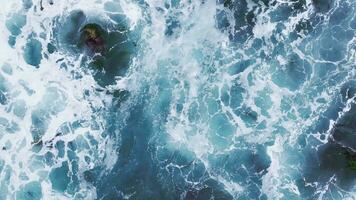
x: 94, y: 38
x: 107, y: 48
x: 51, y: 48
x: 344, y: 131
x: 343, y: 134
x: 109, y: 52
x: 337, y: 157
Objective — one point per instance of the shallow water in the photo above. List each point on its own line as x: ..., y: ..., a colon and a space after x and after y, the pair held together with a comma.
x: 237, y: 99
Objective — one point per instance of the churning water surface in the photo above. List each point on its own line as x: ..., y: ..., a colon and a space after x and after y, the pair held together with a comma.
x: 177, y: 99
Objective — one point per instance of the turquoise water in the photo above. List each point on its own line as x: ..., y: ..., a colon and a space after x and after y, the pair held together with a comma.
x: 174, y: 99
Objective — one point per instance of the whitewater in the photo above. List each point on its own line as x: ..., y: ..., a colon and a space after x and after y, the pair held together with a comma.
x: 177, y: 99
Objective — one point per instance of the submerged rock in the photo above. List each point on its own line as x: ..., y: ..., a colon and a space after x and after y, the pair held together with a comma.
x: 108, y: 51
x: 107, y: 47
x: 334, y: 160
x: 344, y: 131
x: 322, y: 5
x: 343, y: 135
x: 351, y: 160
x: 337, y: 157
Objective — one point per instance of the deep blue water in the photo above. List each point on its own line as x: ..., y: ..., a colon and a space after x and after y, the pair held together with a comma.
x: 175, y: 99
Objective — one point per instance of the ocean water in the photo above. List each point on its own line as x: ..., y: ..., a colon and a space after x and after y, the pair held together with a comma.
x: 178, y: 99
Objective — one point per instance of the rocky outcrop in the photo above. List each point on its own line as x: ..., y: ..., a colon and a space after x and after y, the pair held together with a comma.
x: 94, y: 38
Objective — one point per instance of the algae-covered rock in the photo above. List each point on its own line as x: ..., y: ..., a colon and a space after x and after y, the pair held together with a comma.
x: 108, y: 51
x: 351, y: 164
x: 105, y: 48
x: 343, y: 134
x: 94, y: 38
x: 351, y: 160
